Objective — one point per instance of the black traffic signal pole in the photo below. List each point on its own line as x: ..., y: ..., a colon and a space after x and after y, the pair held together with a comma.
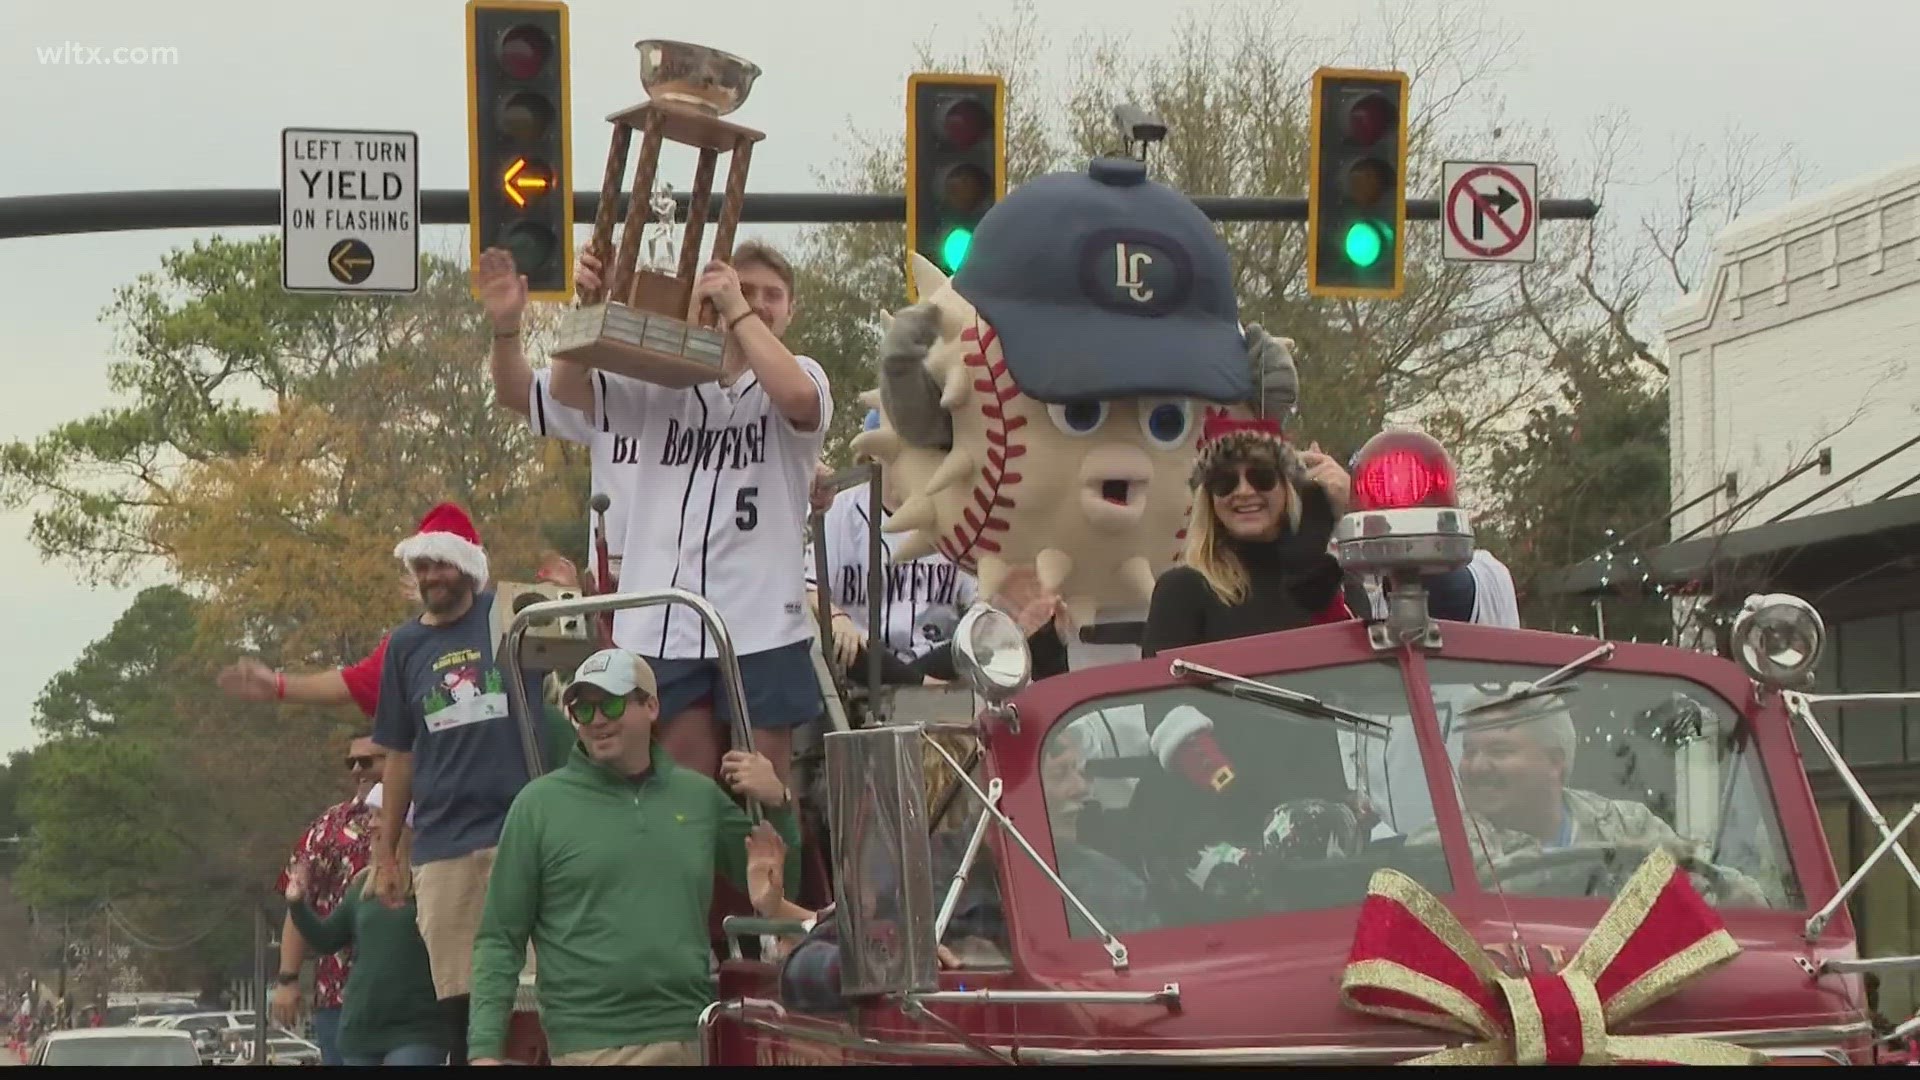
x: 132, y: 211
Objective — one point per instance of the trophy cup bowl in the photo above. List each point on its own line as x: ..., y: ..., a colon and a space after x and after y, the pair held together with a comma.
x: 712, y: 81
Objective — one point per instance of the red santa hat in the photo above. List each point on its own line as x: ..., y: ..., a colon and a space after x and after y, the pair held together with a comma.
x: 446, y: 535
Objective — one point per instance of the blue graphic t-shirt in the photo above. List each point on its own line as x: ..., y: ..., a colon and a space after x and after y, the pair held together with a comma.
x: 443, y: 700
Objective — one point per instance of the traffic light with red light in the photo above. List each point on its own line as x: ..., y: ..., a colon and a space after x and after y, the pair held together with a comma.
x: 519, y: 179
x: 956, y: 162
x: 1357, y: 184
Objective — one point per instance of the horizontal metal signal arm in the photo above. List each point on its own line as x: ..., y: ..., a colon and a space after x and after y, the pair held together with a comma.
x: 212, y: 208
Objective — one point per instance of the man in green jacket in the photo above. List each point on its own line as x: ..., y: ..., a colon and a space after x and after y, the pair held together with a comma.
x: 607, y: 865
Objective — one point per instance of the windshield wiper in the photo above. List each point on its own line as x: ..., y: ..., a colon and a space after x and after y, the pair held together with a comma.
x: 1281, y: 697
x: 1541, y: 687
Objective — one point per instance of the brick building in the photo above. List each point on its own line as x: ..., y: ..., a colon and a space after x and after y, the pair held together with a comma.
x: 1795, y: 418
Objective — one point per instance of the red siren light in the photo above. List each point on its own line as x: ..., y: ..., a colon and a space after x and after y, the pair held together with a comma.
x: 1400, y: 470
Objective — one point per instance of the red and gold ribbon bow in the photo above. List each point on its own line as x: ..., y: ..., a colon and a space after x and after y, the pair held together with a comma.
x: 1412, y: 960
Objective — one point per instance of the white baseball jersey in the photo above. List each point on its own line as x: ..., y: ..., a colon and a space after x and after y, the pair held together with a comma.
x: 725, y: 477
x: 924, y: 599
x: 1495, y: 602
x: 613, y: 459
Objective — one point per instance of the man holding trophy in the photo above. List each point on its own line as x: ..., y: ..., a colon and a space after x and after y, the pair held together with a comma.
x: 740, y: 457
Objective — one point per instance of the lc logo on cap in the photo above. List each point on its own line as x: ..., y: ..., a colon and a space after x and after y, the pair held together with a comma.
x: 1134, y: 272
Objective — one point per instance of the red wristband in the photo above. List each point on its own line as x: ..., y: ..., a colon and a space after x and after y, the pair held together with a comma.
x: 280, y: 685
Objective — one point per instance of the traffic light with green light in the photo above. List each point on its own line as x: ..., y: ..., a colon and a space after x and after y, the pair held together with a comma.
x: 519, y: 154
x: 1357, y: 184
x: 956, y: 162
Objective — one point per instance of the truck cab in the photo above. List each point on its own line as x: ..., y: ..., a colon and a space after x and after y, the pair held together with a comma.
x: 1168, y: 861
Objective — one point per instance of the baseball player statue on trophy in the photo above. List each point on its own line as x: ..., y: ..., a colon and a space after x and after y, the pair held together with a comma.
x: 643, y: 324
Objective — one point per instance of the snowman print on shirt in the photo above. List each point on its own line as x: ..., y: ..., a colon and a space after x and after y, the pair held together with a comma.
x: 467, y: 694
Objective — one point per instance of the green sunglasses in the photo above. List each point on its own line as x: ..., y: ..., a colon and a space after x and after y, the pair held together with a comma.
x: 613, y: 708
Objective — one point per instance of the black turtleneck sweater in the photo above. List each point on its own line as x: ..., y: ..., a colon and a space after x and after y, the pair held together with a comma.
x: 1290, y: 580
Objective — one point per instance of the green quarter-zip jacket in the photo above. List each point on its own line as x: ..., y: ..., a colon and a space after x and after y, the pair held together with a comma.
x: 612, y: 878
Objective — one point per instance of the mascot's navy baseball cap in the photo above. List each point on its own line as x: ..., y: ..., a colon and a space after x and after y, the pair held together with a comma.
x: 1104, y: 284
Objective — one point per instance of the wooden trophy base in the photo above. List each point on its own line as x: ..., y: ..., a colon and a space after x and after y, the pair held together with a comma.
x: 627, y: 330
x: 641, y: 345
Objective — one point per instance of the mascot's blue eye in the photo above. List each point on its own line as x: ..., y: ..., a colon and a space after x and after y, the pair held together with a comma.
x: 1166, y: 423
x: 1076, y: 420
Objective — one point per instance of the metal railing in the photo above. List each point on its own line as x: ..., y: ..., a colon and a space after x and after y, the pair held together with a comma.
x: 533, y: 725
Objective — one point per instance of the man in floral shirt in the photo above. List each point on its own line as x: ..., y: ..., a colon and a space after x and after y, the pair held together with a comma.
x: 334, y: 848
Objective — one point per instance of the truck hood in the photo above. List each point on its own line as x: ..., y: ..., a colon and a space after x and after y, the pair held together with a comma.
x: 1276, y: 982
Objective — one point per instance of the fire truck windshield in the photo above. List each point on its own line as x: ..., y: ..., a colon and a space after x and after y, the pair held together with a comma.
x: 1199, y: 807
x: 1180, y: 806
x: 1567, y: 792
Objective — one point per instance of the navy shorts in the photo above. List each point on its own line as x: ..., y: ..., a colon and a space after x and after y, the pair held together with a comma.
x: 782, y: 692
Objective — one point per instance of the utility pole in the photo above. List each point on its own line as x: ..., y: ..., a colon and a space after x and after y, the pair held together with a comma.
x: 66, y: 942
x: 260, y: 982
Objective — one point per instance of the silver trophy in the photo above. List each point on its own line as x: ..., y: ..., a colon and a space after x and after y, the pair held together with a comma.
x: 643, y: 322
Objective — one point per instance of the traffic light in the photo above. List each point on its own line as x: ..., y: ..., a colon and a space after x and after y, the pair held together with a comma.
x: 956, y: 162
x: 519, y: 154
x: 1357, y: 184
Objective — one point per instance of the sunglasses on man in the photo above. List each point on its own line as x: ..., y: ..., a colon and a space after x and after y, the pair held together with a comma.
x: 362, y: 761
x: 582, y: 709
x: 1224, y: 479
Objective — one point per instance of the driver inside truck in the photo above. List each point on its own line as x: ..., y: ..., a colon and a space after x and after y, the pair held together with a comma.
x: 1513, y: 769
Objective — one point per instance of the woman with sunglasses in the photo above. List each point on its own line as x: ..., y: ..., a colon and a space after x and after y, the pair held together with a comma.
x: 1257, y: 558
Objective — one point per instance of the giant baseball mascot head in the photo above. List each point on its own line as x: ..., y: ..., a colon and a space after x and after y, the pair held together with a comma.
x: 1041, y: 408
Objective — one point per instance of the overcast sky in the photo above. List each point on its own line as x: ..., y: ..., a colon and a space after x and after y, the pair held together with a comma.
x: 1828, y: 78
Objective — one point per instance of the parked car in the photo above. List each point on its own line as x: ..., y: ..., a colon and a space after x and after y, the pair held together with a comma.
x: 115, y: 1047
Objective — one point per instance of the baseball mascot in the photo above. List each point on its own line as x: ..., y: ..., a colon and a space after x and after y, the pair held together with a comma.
x: 1041, y: 409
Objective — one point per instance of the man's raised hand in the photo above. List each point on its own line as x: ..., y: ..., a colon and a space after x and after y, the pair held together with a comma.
x: 249, y: 680
x: 766, y: 869
x: 502, y: 288
x: 586, y: 272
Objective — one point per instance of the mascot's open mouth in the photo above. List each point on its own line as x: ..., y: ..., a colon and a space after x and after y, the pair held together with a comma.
x: 1115, y: 501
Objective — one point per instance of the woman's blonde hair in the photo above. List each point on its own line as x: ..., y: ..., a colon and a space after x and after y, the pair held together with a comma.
x: 1207, y: 551
x: 402, y: 855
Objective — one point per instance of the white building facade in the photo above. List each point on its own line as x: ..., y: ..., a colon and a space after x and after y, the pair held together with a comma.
x: 1795, y: 388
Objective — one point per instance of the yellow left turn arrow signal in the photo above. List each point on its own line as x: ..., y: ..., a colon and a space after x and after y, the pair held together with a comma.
x: 519, y: 180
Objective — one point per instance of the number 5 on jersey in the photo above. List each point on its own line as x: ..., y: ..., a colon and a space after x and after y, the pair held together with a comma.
x: 745, y: 514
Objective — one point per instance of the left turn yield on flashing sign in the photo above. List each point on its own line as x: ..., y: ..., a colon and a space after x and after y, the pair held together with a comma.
x: 349, y: 211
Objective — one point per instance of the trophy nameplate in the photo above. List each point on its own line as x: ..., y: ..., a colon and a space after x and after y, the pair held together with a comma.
x: 642, y: 322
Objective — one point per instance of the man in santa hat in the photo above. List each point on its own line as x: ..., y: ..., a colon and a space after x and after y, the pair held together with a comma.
x: 454, y: 747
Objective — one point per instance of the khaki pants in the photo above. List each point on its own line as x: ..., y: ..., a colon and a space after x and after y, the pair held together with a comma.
x: 661, y: 1053
x: 450, y: 895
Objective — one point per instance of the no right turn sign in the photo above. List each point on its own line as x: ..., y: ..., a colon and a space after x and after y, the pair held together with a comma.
x: 1489, y: 211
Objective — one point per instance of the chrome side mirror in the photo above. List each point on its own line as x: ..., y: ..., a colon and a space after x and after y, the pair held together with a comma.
x: 991, y: 654
x: 1777, y: 639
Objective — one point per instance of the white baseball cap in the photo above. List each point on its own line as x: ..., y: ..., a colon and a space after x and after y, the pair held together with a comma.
x: 615, y: 671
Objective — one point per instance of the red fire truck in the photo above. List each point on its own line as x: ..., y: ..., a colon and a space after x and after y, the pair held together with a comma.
x: 1181, y: 860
